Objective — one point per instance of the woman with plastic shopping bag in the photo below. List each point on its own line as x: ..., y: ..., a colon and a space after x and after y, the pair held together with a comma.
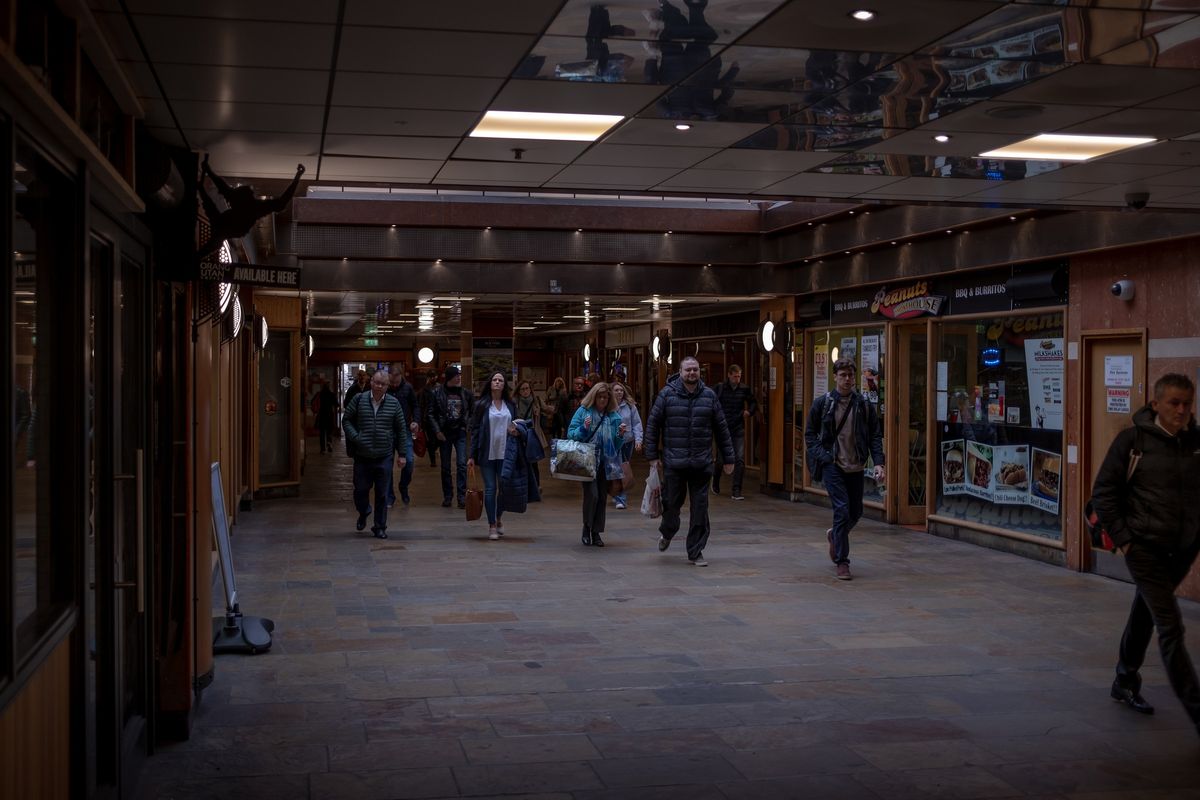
x: 597, y: 421
x: 626, y: 406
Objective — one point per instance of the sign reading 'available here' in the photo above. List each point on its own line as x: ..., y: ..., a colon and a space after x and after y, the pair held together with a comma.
x: 279, y: 277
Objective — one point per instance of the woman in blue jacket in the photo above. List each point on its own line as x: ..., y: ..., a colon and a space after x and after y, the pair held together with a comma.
x: 491, y: 424
x: 594, y: 420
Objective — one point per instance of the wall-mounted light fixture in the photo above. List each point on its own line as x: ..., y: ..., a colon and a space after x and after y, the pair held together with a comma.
x: 774, y: 337
x: 660, y: 347
x: 307, y: 346
x: 260, y: 332
x: 427, y: 355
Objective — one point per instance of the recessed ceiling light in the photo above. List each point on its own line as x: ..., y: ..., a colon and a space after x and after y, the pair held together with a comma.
x: 621, y: 308
x: 1014, y: 219
x: 547, y: 323
x: 941, y: 137
x: 682, y: 126
x: 1066, y: 147
x: 523, y: 328
x: 661, y: 300
x: 538, y: 125
x: 863, y: 15
x: 949, y: 231
x: 576, y: 316
x: 453, y: 299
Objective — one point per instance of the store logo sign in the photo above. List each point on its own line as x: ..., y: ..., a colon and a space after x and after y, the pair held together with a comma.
x: 907, y: 303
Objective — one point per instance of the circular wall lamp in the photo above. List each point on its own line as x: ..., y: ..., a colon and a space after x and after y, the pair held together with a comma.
x: 260, y: 332
x: 225, y: 295
x: 774, y: 337
x: 236, y: 319
x: 660, y: 347
x: 307, y: 346
x: 426, y: 355
x: 587, y: 351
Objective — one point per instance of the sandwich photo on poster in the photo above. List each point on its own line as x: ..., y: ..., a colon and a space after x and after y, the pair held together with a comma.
x: 953, y: 470
x: 979, y: 471
x: 1012, y: 474
x: 1045, y: 480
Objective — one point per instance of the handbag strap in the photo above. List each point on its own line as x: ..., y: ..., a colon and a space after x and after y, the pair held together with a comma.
x: 471, y: 478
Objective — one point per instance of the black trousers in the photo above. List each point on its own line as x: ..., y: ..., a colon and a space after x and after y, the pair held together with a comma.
x: 325, y: 429
x: 676, y: 484
x: 595, y: 503
x: 1157, y: 573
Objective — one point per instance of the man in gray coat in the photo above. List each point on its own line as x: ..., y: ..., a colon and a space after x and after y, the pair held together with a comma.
x: 684, y: 420
x: 375, y: 429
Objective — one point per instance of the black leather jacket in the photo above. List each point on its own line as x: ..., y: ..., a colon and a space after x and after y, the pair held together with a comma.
x: 438, y: 413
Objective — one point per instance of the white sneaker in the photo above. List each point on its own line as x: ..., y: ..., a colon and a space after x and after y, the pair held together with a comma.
x: 700, y: 562
x: 494, y: 534
x: 620, y: 506
x: 499, y: 528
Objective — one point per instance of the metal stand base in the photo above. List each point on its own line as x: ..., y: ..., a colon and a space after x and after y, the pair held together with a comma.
x: 234, y: 633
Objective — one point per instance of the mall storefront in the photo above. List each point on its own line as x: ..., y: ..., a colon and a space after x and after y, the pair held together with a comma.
x: 967, y: 373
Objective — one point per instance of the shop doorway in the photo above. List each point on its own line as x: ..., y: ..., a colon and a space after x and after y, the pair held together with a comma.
x: 1114, y: 385
x: 116, y: 620
x: 912, y: 423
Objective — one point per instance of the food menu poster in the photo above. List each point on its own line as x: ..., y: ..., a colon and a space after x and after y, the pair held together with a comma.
x: 953, y: 477
x: 820, y: 370
x: 979, y: 471
x: 1044, y: 369
x: 1011, y: 465
x: 870, y: 352
x: 1045, y: 480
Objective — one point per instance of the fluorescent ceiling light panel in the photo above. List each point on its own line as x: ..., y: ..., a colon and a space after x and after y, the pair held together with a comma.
x: 537, y: 125
x: 547, y: 323
x: 454, y: 299
x: 620, y: 308
x: 662, y: 300
x: 1064, y: 147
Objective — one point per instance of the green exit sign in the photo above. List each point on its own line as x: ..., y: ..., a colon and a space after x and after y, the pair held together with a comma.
x: 370, y: 328
x: 370, y: 342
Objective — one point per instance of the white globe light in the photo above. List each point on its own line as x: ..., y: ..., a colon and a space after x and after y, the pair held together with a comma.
x: 425, y: 355
x: 767, y: 336
x: 587, y: 351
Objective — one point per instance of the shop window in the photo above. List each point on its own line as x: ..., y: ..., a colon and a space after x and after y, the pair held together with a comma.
x: 866, y: 346
x: 42, y: 449
x: 999, y: 407
x: 276, y: 406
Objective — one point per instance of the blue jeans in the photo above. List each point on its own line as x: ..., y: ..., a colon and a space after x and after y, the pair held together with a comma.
x: 491, y: 487
x: 846, y: 494
x: 373, y: 474
x: 626, y: 454
x: 456, y: 441
x: 405, y: 474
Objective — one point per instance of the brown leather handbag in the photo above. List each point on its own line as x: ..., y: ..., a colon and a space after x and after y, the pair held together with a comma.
x: 474, y: 498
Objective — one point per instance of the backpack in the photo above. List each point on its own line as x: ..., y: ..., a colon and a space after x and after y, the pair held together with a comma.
x: 1091, y: 520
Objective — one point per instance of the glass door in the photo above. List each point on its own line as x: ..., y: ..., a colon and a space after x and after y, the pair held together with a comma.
x: 120, y: 408
x: 912, y: 423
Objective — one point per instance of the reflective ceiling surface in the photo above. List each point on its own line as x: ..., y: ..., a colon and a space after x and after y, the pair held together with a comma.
x: 785, y: 99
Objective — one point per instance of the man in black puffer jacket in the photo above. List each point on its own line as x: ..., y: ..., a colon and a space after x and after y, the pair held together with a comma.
x: 1149, y: 509
x: 683, y: 422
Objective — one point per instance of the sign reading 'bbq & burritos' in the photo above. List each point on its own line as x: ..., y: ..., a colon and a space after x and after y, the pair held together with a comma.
x: 911, y: 301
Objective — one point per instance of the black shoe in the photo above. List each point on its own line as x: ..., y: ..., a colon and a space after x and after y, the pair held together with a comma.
x: 597, y: 541
x: 1131, y: 698
x: 663, y: 543
x: 462, y: 503
x: 446, y: 503
x: 587, y: 538
x: 362, y: 519
x: 404, y: 496
x: 380, y: 533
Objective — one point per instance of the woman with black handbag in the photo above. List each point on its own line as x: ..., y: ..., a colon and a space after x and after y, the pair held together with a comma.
x: 491, y: 424
x: 597, y: 420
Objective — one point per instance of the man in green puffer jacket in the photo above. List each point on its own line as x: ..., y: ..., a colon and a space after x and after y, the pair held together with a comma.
x: 1145, y: 496
x: 375, y: 427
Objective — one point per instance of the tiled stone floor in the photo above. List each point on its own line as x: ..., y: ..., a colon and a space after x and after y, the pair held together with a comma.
x: 439, y: 664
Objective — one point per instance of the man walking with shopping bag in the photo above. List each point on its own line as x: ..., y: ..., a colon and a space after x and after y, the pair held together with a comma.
x: 684, y: 420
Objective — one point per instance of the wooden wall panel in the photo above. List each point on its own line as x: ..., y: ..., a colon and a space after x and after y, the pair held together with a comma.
x: 281, y: 312
x: 35, y: 728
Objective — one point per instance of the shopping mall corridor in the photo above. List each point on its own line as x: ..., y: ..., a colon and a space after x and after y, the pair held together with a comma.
x: 440, y: 664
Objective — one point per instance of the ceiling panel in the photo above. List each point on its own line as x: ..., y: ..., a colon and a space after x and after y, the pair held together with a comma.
x: 931, y: 188
x: 575, y: 97
x: 812, y: 184
x: 766, y: 160
x: 484, y: 55
x: 1115, y: 195
x: 634, y: 177
x: 637, y: 155
x: 725, y: 180
x: 320, y: 11
x: 1187, y: 100
x: 1018, y: 119
x: 244, y: 84
x: 495, y: 171
x: 661, y: 131
x: 1156, y: 123
x: 378, y: 169
x: 290, y: 144
x: 921, y: 142
x: 1031, y: 191
x: 386, y: 90
x: 533, y: 150
x: 900, y: 25
x: 248, y: 117
x: 1105, y: 85
x: 419, y: 147
x: 526, y: 16
x: 1105, y: 171
x: 402, y: 121
x: 1183, y: 154
x: 715, y: 20
x: 262, y: 165
x: 196, y: 40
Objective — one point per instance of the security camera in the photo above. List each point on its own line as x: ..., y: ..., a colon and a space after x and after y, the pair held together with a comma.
x: 1137, y: 200
x: 1123, y: 289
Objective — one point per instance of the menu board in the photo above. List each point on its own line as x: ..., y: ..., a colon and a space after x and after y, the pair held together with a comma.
x: 979, y: 471
x: 953, y: 476
x: 1044, y: 369
x: 1045, y: 480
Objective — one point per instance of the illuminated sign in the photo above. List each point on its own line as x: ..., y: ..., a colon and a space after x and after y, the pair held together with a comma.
x: 912, y: 301
x: 370, y: 343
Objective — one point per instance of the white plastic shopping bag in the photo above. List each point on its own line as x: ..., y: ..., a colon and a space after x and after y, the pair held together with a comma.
x: 652, y: 499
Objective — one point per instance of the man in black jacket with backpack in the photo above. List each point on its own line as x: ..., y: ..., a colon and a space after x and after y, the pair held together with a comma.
x: 843, y: 430
x: 1145, y: 497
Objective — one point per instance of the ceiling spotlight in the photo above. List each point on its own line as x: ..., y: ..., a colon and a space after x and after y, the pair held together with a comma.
x: 863, y: 15
x: 1014, y: 219
x: 949, y: 231
x: 941, y: 137
x: 682, y: 126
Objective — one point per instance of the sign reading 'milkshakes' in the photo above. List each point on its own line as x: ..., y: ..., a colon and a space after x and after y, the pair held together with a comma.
x: 280, y: 277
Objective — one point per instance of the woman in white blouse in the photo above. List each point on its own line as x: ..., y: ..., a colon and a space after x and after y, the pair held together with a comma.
x: 491, y: 424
